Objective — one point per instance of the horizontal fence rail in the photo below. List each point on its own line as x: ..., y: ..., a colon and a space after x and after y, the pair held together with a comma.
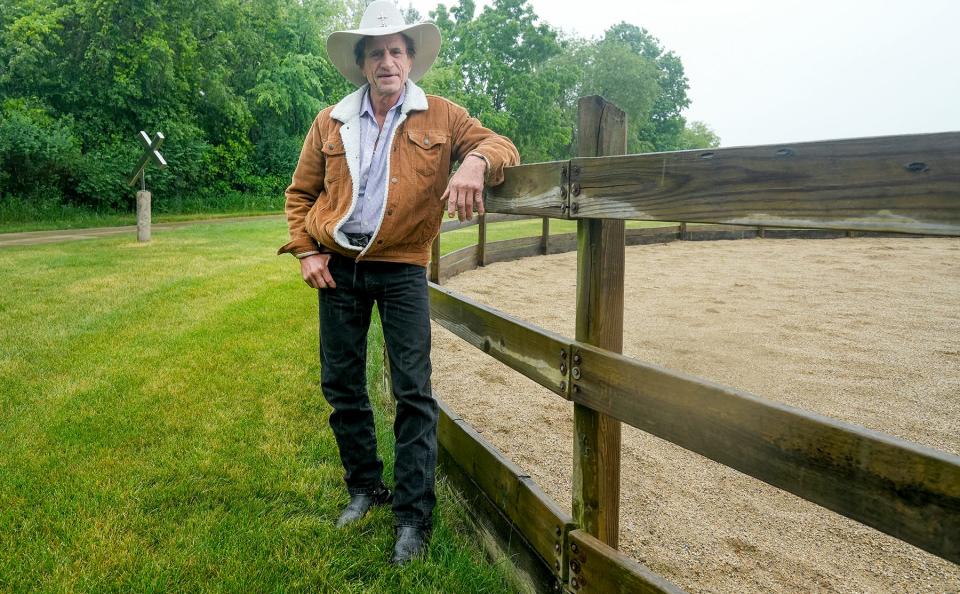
x: 904, y: 184
x: 903, y: 489
x: 575, y: 559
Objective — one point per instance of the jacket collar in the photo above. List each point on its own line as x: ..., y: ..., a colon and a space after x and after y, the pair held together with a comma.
x: 349, y: 107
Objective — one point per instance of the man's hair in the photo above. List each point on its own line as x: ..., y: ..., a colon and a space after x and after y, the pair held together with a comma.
x: 361, y: 48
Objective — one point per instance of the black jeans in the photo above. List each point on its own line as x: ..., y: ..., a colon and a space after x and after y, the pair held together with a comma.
x: 400, y: 292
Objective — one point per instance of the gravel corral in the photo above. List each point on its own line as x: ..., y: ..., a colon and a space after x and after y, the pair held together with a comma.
x: 862, y: 330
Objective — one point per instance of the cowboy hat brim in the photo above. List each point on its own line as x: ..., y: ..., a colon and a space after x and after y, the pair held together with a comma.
x: 426, y: 41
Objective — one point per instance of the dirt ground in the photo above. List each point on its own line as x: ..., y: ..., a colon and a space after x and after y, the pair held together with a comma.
x: 862, y: 330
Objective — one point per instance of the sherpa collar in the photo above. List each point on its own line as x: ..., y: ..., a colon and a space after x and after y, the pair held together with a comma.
x: 349, y: 107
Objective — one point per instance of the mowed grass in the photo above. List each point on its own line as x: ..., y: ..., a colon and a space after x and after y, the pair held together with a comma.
x: 77, y: 218
x: 162, y: 428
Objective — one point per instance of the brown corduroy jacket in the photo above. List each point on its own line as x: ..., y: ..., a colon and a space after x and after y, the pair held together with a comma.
x: 430, y: 135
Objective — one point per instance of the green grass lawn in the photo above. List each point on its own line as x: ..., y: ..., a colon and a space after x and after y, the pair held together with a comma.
x: 68, y: 218
x: 162, y: 428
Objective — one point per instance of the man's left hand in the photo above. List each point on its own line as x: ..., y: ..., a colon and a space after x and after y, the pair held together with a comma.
x: 464, y: 193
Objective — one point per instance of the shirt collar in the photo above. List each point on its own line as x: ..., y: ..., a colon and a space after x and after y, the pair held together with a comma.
x: 366, y: 107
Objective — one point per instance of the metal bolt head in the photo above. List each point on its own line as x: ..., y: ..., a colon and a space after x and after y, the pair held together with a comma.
x: 563, y: 353
x: 576, y: 170
x: 575, y: 566
x: 576, y: 372
x: 563, y: 368
x: 557, y: 566
x: 573, y: 582
x: 576, y: 189
x: 563, y: 386
x: 563, y: 191
x: 576, y: 388
x: 558, y: 532
x: 573, y: 547
x: 556, y: 547
x: 576, y: 359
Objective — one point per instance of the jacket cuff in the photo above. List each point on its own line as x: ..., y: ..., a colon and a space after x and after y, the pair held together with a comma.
x: 299, y: 246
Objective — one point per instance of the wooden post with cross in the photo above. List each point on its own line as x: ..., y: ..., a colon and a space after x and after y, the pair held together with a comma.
x: 602, y: 131
x: 152, y: 153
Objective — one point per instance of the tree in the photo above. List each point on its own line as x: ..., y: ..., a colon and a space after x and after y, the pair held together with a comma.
x: 501, y: 65
x: 697, y: 135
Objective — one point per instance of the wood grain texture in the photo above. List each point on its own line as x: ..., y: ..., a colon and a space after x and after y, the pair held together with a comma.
x: 457, y: 262
x: 903, y: 489
x: 601, y: 130
x: 595, y: 568
x: 482, y: 241
x: 433, y: 273
x: 512, y: 249
x: 500, y: 536
x: 530, y: 350
x: 895, y: 183
x: 538, y: 519
x: 454, y: 224
x: 530, y: 190
x: 545, y: 236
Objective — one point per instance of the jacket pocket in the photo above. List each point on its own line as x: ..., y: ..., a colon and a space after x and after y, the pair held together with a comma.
x: 334, y: 161
x: 427, y: 152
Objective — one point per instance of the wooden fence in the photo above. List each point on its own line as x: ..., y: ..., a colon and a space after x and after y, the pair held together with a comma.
x: 903, y: 184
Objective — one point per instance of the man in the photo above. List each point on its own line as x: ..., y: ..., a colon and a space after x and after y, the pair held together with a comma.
x: 363, y: 208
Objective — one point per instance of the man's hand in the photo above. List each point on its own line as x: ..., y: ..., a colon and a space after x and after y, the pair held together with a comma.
x: 316, y: 272
x: 464, y: 193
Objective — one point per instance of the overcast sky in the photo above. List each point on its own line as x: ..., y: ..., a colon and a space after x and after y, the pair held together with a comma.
x: 769, y: 71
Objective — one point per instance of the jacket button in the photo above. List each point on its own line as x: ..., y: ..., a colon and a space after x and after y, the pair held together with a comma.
x: 393, y: 180
x: 426, y: 141
x: 389, y: 213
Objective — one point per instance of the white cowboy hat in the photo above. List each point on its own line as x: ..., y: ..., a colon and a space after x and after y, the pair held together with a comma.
x: 383, y: 18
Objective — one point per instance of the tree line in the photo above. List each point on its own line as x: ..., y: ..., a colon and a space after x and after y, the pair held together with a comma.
x: 234, y: 85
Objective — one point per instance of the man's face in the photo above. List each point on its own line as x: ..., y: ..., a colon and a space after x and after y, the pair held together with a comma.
x: 386, y: 64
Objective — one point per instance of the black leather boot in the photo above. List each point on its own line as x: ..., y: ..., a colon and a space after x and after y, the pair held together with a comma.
x: 411, y: 543
x: 361, y: 503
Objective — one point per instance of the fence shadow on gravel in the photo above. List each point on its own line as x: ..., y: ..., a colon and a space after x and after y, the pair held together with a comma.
x: 889, y: 185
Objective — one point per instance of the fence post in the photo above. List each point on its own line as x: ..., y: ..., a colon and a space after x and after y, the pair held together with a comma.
x: 482, y: 241
x: 435, y: 260
x: 545, y: 237
x: 602, y: 130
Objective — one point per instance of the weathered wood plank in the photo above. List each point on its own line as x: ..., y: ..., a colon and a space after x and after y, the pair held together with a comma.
x: 458, y: 262
x: 545, y: 236
x: 538, y: 519
x: 906, y: 490
x: 529, y: 189
x: 893, y: 183
x: 482, y: 242
x: 499, y: 535
x: 530, y: 350
x: 602, y: 130
x: 454, y: 224
x: 596, y: 568
x: 562, y: 243
x: 512, y: 249
x: 433, y: 273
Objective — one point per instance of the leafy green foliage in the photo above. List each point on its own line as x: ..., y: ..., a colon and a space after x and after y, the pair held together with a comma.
x: 235, y: 84
x: 698, y: 135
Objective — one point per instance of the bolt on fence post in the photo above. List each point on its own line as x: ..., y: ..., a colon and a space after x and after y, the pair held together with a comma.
x: 602, y: 130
